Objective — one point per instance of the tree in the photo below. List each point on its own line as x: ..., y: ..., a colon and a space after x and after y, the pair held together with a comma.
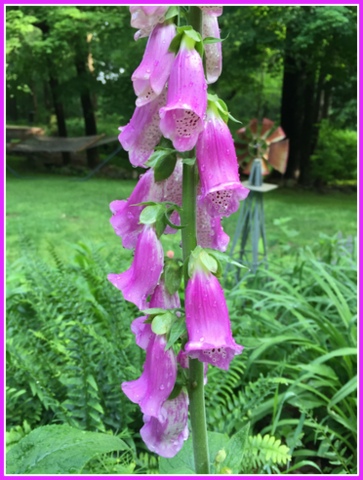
x: 313, y: 49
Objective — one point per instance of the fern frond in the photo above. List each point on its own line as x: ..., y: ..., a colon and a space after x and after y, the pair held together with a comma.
x: 264, y: 451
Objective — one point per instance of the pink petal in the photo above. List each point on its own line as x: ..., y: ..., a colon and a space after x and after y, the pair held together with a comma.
x: 213, y: 51
x: 150, y: 77
x: 181, y: 120
x: 221, y: 189
x: 157, y: 381
x: 167, y: 437
x: 141, y: 135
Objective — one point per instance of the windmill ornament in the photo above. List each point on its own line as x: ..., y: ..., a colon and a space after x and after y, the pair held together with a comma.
x: 262, y: 148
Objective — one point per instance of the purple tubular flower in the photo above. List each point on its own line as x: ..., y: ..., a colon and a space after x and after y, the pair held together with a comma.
x: 145, y: 18
x: 150, y: 77
x: 221, y: 189
x: 213, y: 51
x: 125, y: 218
x: 141, y: 135
x: 157, y: 380
x: 210, y: 233
x: 166, y: 437
x: 209, y: 329
x: 141, y: 278
x: 216, y: 10
x: 161, y: 298
x: 181, y: 120
x: 142, y: 332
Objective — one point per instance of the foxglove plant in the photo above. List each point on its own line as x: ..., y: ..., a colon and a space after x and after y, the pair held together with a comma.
x: 183, y: 189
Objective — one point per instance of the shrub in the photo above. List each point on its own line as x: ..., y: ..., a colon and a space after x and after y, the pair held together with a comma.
x: 335, y: 157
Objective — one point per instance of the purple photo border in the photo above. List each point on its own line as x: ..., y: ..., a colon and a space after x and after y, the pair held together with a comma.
x: 2, y: 186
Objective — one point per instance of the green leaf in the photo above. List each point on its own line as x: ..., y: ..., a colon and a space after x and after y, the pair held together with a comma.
x: 183, y: 462
x: 234, y: 119
x: 161, y: 323
x: 151, y: 214
x: 323, y: 370
x: 160, y: 225
x: 159, y: 153
x: 167, y: 219
x: 347, y: 389
x: 173, y: 272
x: 163, y: 162
x: 209, y: 40
x: 193, y: 34
x: 235, y: 448
x: 164, y: 167
x: 224, y: 257
x: 172, y: 12
x: 175, y: 43
x: 92, y: 382
x: 59, y: 449
x: 178, y: 329
x: 189, y: 161
x: 153, y: 311
x: 176, y: 390
x: 208, y: 261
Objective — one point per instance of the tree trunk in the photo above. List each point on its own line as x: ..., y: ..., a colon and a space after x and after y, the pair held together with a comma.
x: 11, y: 108
x: 59, y: 113
x: 87, y: 104
x: 291, y: 114
x: 54, y: 89
x: 307, y: 130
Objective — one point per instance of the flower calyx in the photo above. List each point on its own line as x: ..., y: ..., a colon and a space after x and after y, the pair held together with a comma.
x: 203, y: 260
x: 219, y: 107
x: 158, y: 214
x: 188, y: 38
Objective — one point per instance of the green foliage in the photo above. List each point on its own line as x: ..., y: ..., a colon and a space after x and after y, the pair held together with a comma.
x: 296, y: 379
x: 65, y: 350
x: 239, y: 454
x: 59, y: 449
x: 183, y: 462
x: 262, y: 452
x: 335, y: 157
x: 15, y: 434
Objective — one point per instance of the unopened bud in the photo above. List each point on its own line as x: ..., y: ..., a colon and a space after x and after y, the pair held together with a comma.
x: 170, y: 254
x: 226, y: 471
x: 221, y: 456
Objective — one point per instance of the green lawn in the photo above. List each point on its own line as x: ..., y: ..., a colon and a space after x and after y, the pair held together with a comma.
x: 62, y: 211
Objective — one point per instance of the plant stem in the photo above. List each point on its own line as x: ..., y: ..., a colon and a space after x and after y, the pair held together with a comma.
x: 196, y: 368
x: 189, y: 242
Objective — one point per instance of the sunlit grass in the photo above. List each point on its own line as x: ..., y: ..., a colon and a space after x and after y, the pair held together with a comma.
x: 62, y: 211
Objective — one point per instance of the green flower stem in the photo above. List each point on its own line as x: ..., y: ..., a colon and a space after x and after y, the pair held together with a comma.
x: 189, y: 242
x: 196, y: 373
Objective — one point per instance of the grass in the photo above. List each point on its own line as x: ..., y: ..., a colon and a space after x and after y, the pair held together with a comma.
x: 62, y: 211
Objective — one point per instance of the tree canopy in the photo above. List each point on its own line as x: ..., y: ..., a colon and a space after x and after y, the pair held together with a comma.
x: 293, y: 64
